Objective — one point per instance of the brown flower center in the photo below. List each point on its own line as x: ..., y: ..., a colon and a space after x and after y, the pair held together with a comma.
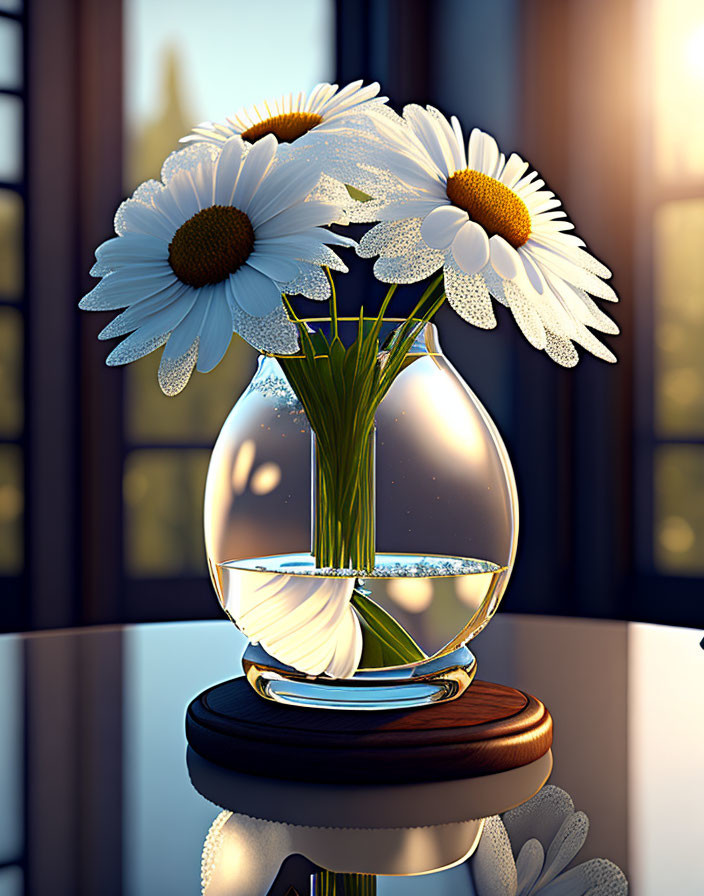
x: 211, y: 245
x: 492, y: 204
x: 286, y: 128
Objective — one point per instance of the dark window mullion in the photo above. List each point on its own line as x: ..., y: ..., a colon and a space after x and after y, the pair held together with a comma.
x: 13, y: 187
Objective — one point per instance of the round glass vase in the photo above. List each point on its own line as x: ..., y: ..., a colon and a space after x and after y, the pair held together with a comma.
x: 436, y: 509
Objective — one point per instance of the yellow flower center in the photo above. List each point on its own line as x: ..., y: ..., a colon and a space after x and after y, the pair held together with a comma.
x: 286, y: 128
x: 211, y: 245
x: 492, y: 204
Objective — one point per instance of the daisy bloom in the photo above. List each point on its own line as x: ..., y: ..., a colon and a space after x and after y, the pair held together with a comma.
x: 490, y: 225
x: 209, y: 251
x: 527, y: 850
x: 322, y: 113
x: 329, y: 126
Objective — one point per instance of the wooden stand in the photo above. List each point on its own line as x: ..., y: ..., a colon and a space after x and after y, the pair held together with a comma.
x: 488, y: 730
x: 363, y: 793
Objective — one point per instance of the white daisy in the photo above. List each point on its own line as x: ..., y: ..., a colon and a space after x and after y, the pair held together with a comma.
x: 326, y: 111
x: 328, y: 127
x: 525, y: 853
x: 209, y: 251
x: 491, y: 226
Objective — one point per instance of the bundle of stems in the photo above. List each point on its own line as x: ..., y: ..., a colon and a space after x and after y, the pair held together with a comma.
x: 327, y: 883
x: 340, y: 387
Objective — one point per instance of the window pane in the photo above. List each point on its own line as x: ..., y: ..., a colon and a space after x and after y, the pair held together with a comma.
x: 678, y: 89
x: 11, y: 138
x: 10, y: 373
x: 11, y: 508
x: 163, y: 492
x: 679, y: 287
x: 679, y: 509
x: 189, y: 62
x: 10, y: 54
x: 10, y: 245
x: 197, y: 413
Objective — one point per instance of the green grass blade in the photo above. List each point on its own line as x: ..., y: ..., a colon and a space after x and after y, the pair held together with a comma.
x: 392, y: 640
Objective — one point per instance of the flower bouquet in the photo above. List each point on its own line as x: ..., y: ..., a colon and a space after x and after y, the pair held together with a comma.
x: 250, y: 213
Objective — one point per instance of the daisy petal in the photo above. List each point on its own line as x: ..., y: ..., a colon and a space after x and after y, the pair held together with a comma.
x: 416, y: 264
x: 529, y: 864
x: 565, y: 845
x: 470, y: 247
x: 525, y: 316
x: 298, y: 218
x: 469, y: 296
x: 409, y: 208
x: 513, y: 171
x: 186, y: 334
x: 254, y: 167
x: 532, y: 270
x: 132, y: 248
x: 475, y: 150
x: 135, y: 346
x: 227, y: 171
x: 504, y: 258
x: 589, y: 341
x: 560, y: 350
x: 274, y: 267
x: 310, y: 282
x: 127, y: 286
x: 493, y: 867
x: 171, y: 304
x: 428, y: 135
x: 152, y: 333
x: 255, y: 294
x: 298, y: 622
x: 490, y: 155
x: 285, y: 186
x: 216, y: 332
x: 348, y: 647
x: 273, y: 333
x: 457, y: 131
x: 440, y: 227
x: 135, y: 217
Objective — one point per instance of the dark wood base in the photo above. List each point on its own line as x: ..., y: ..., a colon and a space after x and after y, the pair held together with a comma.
x: 489, y: 729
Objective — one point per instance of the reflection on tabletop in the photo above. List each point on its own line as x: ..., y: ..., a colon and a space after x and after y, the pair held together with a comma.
x: 95, y: 795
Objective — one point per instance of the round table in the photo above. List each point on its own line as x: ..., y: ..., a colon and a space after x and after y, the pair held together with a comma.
x: 95, y: 794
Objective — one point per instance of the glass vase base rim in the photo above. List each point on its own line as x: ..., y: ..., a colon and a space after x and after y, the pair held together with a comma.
x: 434, y: 680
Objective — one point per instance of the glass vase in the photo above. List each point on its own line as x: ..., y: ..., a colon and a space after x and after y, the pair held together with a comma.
x: 432, y: 522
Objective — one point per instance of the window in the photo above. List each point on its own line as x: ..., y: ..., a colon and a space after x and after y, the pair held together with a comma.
x: 672, y: 347
x: 184, y: 65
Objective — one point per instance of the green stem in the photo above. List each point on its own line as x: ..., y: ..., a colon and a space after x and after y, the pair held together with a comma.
x: 327, y: 883
x: 344, y: 506
x: 333, y: 304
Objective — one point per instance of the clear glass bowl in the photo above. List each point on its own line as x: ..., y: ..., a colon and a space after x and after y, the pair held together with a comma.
x: 446, y: 531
